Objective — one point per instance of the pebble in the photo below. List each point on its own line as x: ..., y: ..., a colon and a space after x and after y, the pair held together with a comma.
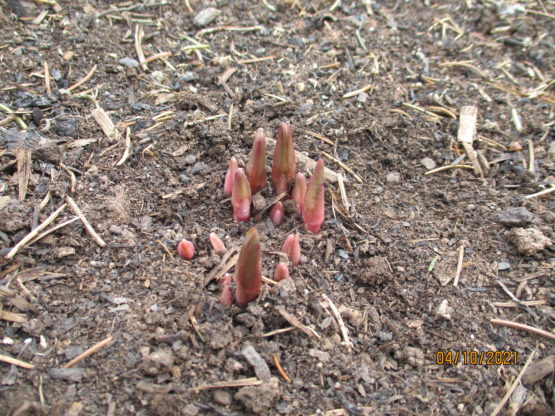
x: 190, y: 159
x: 66, y: 127
x: 362, y: 97
x: 503, y: 265
x: 516, y: 216
x: 198, y: 167
x: 187, y: 77
x: 56, y: 75
x: 129, y: 62
x: 206, y: 16
x: 428, y: 163
x: 261, y: 369
x: 393, y: 177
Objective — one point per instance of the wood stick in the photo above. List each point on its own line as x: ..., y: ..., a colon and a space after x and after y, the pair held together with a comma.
x: 16, y: 362
x: 523, y: 327
x: 467, y: 134
x: 83, y: 80
x: 344, y: 166
x: 459, y: 266
x: 86, y: 223
x: 541, y: 193
x: 104, y: 121
x: 35, y: 232
x: 89, y: 352
x: 127, y: 147
x: 340, y: 322
x: 47, y: 78
x: 513, y: 385
x: 138, y: 38
x: 253, y: 381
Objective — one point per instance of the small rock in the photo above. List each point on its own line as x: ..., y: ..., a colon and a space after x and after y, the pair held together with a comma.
x: 322, y: 356
x: 529, y: 240
x: 362, y: 97
x: 444, y: 310
x: 198, y: 168
x: 56, y: 75
x: 354, y: 316
x: 68, y: 374
x: 288, y: 285
x: 503, y: 265
x: 428, y: 163
x: 129, y: 62
x: 66, y: 126
x: 190, y: 159
x: 393, y: 177
x: 259, y: 399
x: 222, y: 397
x: 516, y: 217
x: 206, y: 16
x: 187, y: 77
x: 375, y: 272
x: 261, y: 369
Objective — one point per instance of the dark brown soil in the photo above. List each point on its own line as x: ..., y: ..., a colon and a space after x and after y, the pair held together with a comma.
x: 388, y: 263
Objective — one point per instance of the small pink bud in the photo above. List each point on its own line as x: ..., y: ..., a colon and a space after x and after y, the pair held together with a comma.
x: 217, y: 243
x: 226, y: 297
x: 185, y: 249
x: 241, y: 197
x: 230, y: 176
x: 299, y: 191
x: 277, y: 213
x: 283, y: 163
x: 292, y: 247
x: 281, y: 272
x: 313, y: 205
x: 256, y: 167
x: 248, y: 271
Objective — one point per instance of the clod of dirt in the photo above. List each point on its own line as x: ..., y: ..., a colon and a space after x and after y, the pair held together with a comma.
x: 222, y: 397
x: 66, y: 127
x: 68, y: 374
x: 259, y: 399
x: 515, y: 217
x: 393, y: 177
x: 355, y: 317
x: 376, y: 271
x: 322, y: 356
x: 261, y: 369
x: 413, y: 356
x: 529, y: 240
x: 158, y: 361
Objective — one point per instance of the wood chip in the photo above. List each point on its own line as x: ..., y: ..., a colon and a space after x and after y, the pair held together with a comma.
x: 296, y: 323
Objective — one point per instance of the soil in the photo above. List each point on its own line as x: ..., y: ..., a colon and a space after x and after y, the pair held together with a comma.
x: 376, y: 85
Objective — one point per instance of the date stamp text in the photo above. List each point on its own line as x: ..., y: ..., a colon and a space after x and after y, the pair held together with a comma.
x: 476, y: 357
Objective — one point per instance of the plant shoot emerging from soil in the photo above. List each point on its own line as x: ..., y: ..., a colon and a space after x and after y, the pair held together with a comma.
x: 248, y: 272
x: 241, y: 197
x: 226, y: 297
x: 256, y: 166
x: 230, y: 176
x: 277, y: 213
x: 185, y: 249
x: 299, y: 191
x: 313, y: 204
x: 283, y: 163
x: 281, y: 272
x: 292, y: 247
x: 217, y: 243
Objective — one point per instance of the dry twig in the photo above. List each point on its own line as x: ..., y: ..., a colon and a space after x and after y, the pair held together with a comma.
x: 86, y: 223
x: 89, y: 352
x: 523, y: 327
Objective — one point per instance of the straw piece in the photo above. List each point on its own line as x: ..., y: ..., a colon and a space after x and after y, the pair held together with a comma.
x: 86, y: 223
